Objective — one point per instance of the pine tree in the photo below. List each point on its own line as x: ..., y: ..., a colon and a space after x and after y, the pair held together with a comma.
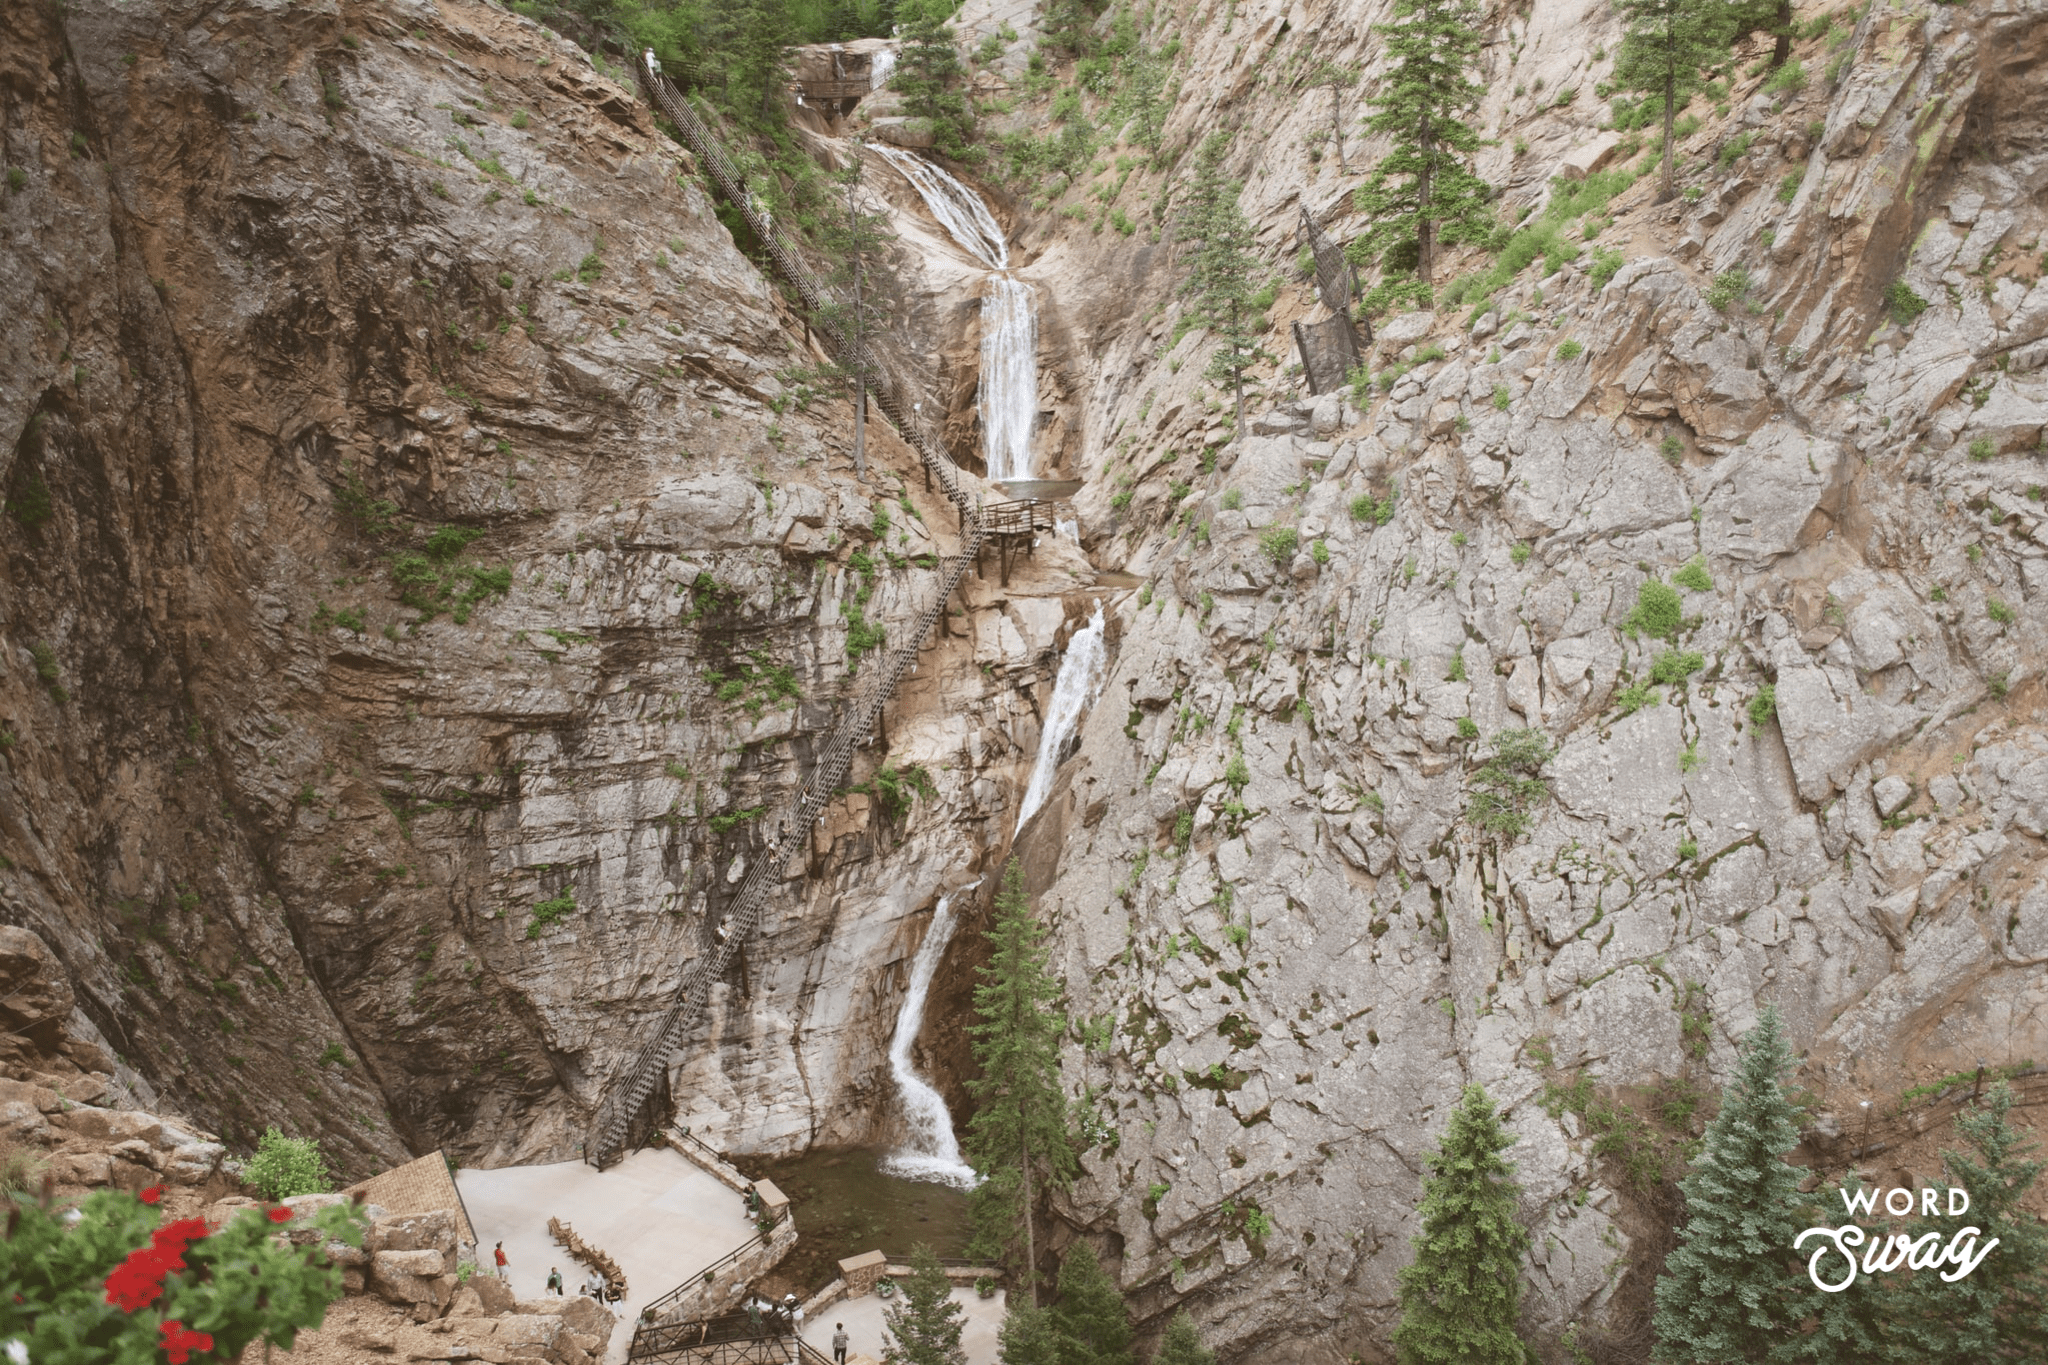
x: 1182, y: 1344
x: 1460, y: 1296
x: 925, y: 73
x: 746, y: 42
x: 1089, y: 1321
x: 1026, y: 1337
x: 1667, y: 44
x: 1424, y: 192
x: 924, y: 1328
x: 1221, y: 269
x: 1019, y: 1138
x: 1730, y: 1290
x: 1848, y: 1325
x: 857, y: 241
x: 1999, y: 1311
x: 1339, y: 77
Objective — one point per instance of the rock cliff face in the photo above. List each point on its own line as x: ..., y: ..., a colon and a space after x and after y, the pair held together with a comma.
x: 1290, y: 941
x: 420, y: 578
x: 419, y: 581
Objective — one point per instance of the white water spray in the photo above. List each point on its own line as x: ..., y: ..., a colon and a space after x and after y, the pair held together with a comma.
x: 930, y: 1152
x: 881, y: 68
x: 1072, y: 693
x: 1009, y: 316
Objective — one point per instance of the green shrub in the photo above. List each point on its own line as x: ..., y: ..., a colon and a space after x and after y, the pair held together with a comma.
x: 1672, y: 449
x: 1729, y: 286
x: 1279, y: 543
x: 1468, y: 728
x: 16, y: 177
x: 1456, y: 672
x: 1607, y: 262
x: 1501, y: 397
x: 1675, y: 666
x: 1319, y: 552
x: 1694, y: 575
x: 1635, y: 697
x: 1519, y: 553
x: 1507, y: 787
x: 504, y: 279
x: 1763, y: 706
x: 1998, y: 611
x: 1790, y: 80
x: 32, y: 507
x: 1788, y: 188
x: 1658, y: 611
x: 590, y: 269
x: 1570, y: 350
x: 1981, y: 449
x: 334, y: 1054
x: 1232, y: 499
x: 519, y: 119
x: 1902, y: 303
x: 284, y: 1167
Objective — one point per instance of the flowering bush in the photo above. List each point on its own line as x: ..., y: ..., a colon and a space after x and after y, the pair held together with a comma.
x: 116, y: 1287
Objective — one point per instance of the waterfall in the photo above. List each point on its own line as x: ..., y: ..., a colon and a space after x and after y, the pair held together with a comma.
x: 1079, y: 680
x: 931, y: 1152
x: 881, y: 68
x: 1009, y: 316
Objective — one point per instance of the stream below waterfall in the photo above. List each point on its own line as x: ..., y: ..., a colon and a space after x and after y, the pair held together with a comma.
x: 1009, y: 316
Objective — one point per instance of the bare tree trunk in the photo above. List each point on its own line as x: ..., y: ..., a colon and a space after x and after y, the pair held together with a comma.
x: 1030, y: 1235
x: 1670, y: 97
x: 1784, y: 45
x: 1337, y: 124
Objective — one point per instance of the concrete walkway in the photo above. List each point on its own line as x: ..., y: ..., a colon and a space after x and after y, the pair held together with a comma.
x: 660, y: 1217
x: 864, y: 1321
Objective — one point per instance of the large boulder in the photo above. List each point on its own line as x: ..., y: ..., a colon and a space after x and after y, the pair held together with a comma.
x: 35, y: 991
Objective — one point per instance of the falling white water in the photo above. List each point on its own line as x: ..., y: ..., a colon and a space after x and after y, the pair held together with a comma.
x: 883, y: 67
x: 1069, y: 528
x: 1009, y: 316
x: 930, y: 1152
x: 1072, y: 694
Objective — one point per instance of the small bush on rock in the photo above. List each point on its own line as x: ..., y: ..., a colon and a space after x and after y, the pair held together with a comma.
x: 285, y: 1166
x: 1658, y: 612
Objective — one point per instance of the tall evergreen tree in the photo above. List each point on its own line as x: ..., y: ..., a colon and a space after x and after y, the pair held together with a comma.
x: 1999, y: 1311
x: 924, y: 1327
x: 1182, y: 1344
x: 1848, y: 1325
x: 857, y: 240
x: 1667, y: 44
x: 1019, y: 1139
x: 1460, y: 1296
x: 1221, y: 270
x: 1027, y: 1338
x: 746, y: 42
x: 1338, y: 77
x: 1730, y: 1290
x: 926, y: 71
x: 1423, y: 191
x: 1089, y: 1321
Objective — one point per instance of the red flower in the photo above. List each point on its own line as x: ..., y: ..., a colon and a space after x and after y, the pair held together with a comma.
x: 138, y: 1281
x: 280, y: 1215
x: 152, y: 1194
x: 179, y: 1343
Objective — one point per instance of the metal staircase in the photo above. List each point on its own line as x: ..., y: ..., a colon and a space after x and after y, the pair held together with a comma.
x: 628, y: 1095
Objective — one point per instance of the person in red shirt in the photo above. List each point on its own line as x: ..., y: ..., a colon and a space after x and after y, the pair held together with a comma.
x: 499, y: 1252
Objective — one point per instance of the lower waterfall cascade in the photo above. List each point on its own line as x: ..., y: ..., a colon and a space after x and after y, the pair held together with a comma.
x: 930, y: 1150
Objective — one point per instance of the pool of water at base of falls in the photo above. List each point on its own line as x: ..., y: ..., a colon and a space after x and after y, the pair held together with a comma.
x: 845, y: 1203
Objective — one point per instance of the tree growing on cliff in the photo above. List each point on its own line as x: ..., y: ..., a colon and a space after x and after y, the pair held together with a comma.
x: 1089, y: 1322
x: 1999, y: 1311
x: 858, y: 241
x: 1423, y: 192
x: 925, y: 75
x: 1727, y: 1291
x: 1020, y: 1138
x: 1667, y: 44
x: 924, y: 1326
x: 1221, y: 269
x: 1026, y: 1337
x: 1182, y: 1344
x: 1460, y: 1296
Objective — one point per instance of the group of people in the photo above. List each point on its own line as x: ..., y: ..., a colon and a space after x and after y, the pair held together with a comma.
x: 787, y: 1316
x: 594, y: 1285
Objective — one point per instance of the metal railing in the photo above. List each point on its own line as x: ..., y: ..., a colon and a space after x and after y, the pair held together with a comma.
x: 628, y: 1094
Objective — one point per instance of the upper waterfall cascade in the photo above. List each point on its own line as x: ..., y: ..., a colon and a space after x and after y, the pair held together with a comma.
x: 1009, y: 316
x: 930, y: 1151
